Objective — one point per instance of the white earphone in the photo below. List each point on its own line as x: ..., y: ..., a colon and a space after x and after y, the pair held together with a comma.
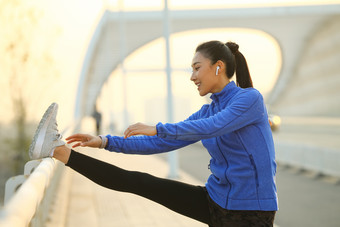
x: 217, y: 68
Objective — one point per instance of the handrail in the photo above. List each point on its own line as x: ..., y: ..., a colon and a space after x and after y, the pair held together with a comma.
x: 21, y: 208
x: 31, y: 195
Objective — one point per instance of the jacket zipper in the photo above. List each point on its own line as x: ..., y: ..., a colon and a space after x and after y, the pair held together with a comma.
x: 225, y: 159
x: 225, y: 173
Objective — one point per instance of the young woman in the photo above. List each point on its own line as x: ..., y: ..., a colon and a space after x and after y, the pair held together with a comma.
x: 234, y: 129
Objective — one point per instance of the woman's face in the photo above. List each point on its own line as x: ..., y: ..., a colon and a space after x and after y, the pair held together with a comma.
x: 204, y: 75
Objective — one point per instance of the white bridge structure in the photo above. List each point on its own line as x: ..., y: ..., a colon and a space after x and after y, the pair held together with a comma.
x: 299, y: 30
x: 306, y: 95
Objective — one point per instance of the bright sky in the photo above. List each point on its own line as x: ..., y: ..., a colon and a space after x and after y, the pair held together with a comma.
x: 199, y: 4
x: 77, y: 20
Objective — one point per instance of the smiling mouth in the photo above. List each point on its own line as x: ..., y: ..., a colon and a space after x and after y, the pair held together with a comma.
x: 198, y: 86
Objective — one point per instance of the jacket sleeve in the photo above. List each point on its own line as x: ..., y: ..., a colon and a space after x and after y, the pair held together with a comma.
x: 147, y: 144
x: 246, y: 109
x: 143, y: 144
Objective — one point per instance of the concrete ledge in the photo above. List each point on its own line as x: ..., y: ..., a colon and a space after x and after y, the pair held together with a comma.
x: 324, y: 160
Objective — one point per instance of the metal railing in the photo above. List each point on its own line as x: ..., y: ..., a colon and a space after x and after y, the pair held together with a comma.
x: 28, y: 195
x: 31, y: 199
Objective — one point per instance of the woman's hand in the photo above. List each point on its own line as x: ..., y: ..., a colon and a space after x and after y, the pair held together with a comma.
x: 84, y: 140
x: 140, y: 129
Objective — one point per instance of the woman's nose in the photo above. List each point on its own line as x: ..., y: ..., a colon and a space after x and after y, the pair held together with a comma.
x: 193, y: 77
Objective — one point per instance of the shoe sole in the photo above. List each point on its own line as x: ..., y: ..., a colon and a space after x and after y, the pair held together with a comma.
x: 40, y: 133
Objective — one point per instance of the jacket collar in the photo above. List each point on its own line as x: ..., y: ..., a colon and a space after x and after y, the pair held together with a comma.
x: 226, y: 93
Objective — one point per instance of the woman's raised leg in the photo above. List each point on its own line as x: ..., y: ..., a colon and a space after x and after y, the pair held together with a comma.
x: 188, y: 200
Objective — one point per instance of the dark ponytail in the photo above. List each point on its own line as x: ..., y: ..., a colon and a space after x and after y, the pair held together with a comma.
x: 229, y: 54
x: 243, y: 78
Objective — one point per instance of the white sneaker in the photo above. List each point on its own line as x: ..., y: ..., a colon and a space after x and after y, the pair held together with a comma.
x: 46, y: 137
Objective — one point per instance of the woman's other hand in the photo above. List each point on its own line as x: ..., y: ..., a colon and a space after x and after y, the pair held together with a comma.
x: 140, y: 129
x: 84, y: 140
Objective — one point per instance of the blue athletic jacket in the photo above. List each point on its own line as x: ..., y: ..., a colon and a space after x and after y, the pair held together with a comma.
x: 235, y: 130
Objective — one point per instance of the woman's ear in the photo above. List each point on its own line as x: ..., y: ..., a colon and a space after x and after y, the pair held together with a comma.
x: 217, y: 68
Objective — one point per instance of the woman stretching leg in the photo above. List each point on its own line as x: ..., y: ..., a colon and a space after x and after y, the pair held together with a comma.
x: 234, y: 128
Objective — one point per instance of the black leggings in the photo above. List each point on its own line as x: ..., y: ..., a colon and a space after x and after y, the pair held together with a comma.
x: 182, y: 198
x: 191, y: 201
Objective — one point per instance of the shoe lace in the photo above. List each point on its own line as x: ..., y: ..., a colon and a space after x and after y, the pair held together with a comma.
x: 58, y: 136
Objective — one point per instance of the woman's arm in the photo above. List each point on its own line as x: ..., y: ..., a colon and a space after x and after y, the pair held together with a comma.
x: 144, y: 144
x: 149, y: 143
x: 148, y: 130
x: 131, y: 145
x: 245, y: 110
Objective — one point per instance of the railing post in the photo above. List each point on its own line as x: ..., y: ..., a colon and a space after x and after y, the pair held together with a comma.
x: 30, y: 166
x: 12, y: 185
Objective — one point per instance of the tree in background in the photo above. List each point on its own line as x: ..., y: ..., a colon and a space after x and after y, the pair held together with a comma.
x: 26, y: 60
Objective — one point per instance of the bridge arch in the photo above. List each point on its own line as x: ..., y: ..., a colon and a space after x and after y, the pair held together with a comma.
x: 146, y: 67
x: 291, y: 26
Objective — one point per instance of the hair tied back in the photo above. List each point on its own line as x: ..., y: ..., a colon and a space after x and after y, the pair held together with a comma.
x: 232, y: 46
